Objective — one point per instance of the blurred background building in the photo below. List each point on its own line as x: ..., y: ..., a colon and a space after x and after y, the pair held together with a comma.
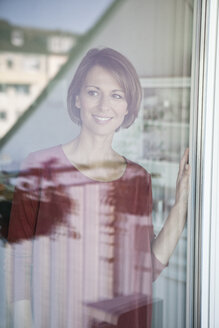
x: 29, y: 59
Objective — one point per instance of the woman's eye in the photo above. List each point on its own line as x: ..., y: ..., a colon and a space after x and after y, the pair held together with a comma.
x: 92, y: 92
x: 117, y: 96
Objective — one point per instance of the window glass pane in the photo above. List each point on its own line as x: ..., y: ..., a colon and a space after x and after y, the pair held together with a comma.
x: 93, y: 233
x: 162, y: 135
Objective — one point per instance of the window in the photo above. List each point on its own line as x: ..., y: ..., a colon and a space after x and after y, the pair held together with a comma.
x: 22, y: 88
x: 17, y: 38
x: 60, y: 43
x: 2, y: 88
x: 167, y: 123
x: 31, y: 63
x: 18, y: 88
x: 157, y: 141
x: 9, y: 63
x: 3, y: 115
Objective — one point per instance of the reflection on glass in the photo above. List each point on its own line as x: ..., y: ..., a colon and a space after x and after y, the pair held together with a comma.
x: 158, y: 138
x: 84, y: 233
x: 92, y: 242
x: 82, y: 249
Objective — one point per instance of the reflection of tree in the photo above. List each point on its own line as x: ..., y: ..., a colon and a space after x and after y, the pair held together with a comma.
x: 51, y: 195
x: 4, y: 218
x: 121, y: 198
x: 6, y: 195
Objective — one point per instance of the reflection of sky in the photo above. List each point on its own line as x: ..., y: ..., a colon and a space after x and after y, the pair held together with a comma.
x: 69, y: 15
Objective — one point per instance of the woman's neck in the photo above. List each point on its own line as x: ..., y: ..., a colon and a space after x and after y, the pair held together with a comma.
x: 92, y: 150
x: 95, y: 157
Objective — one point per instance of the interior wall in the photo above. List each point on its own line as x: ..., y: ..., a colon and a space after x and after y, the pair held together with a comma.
x: 155, y: 35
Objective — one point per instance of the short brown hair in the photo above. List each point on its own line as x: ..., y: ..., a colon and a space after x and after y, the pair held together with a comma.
x: 121, y: 68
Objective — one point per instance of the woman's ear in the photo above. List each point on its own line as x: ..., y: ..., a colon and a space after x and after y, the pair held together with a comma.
x: 77, y: 102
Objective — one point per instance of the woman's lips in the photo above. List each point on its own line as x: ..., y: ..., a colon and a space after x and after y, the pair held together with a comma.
x: 101, y: 119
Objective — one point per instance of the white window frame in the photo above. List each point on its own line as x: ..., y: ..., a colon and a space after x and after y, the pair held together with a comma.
x: 205, y: 102
x: 210, y: 172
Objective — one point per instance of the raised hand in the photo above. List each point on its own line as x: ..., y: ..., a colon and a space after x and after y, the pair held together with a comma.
x: 182, y: 182
x: 165, y: 243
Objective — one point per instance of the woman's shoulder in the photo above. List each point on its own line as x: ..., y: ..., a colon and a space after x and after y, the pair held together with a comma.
x: 51, y: 155
x: 137, y: 169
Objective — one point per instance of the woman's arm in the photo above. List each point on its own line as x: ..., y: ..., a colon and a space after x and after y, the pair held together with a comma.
x: 165, y: 243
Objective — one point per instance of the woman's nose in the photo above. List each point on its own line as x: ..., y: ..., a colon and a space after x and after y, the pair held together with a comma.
x: 104, y: 103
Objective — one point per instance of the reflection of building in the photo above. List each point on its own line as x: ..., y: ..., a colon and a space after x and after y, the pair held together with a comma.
x: 29, y: 58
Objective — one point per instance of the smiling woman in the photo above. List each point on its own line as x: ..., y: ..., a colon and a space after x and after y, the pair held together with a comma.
x: 88, y: 211
x: 104, y: 95
x: 125, y: 79
x: 101, y: 101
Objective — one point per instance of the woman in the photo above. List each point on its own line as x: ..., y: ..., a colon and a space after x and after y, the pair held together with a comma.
x: 88, y: 210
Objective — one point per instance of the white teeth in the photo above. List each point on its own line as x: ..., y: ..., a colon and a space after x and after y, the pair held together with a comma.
x: 102, y: 118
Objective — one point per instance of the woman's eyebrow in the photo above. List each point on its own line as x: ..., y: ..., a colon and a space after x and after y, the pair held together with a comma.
x: 94, y: 86
x: 120, y: 90
x: 91, y: 86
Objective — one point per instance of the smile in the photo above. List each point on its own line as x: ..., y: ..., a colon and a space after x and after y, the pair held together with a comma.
x: 101, y: 119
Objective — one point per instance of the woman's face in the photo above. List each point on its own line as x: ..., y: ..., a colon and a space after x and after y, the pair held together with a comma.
x: 101, y: 102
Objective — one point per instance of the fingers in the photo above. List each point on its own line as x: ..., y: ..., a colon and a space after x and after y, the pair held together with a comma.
x: 183, y: 179
x: 184, y: 162
x: 187, y: 169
